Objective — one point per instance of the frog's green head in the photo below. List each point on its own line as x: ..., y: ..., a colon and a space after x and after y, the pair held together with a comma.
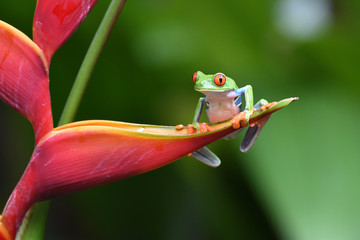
x: 213, y: 83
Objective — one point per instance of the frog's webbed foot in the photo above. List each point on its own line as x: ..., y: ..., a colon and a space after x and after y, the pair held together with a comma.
x: 206, y: 156
x: 255, y: 128
x: 240, y: 120
x: 204, y: 127
x: 195, y: 127
x: 252, y: 134
x: 267, y: 106
x: 191, y: 129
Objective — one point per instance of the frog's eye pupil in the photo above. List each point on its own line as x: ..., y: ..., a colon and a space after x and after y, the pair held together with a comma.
x: 194, y: 77
x: 219, y: 79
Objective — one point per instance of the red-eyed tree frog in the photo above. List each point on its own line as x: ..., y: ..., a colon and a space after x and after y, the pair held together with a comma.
x: 223, y: 102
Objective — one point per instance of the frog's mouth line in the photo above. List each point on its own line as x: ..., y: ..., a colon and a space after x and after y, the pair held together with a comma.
x: 204, y: 91
x: 227, y: 93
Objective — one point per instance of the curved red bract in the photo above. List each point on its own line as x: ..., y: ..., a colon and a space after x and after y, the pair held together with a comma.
x: 87, y: 154
x: 24, y: 83
x: 93, y: 153
x: 55, y: 21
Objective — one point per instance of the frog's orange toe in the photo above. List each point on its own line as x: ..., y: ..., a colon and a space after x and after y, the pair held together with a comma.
x: 239, y: 121
x: 204, y: 127
x: 179, y: 127
x: 267, y: 106
x: 235, y: 124
x: 191, y: 129
x: 208, y: 128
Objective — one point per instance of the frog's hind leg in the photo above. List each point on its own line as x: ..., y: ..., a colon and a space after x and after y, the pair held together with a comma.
x: 206, y: 156
x: 253, y: 132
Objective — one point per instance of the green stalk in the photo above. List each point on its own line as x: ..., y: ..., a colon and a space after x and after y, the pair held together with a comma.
x: 90, y: 60
x: 35, y: 221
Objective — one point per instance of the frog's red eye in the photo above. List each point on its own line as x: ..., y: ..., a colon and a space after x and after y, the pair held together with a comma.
x: 194, y: 77
x: 219, y: 79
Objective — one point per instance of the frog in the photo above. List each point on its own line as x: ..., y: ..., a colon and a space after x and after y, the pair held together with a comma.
x: 223, y: 102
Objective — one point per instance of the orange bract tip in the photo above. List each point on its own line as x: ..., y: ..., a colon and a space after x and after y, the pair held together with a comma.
x: 4, y: 234
x: 13, y: 33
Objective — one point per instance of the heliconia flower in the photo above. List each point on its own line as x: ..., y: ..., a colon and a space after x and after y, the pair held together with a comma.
x: 87, y: 154
x: 55, y: 21
x: 84, y: 154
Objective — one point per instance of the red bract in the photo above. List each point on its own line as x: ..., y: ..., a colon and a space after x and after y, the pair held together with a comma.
x: 24, y: 83
x: 91, y: 153
x: 87, y: 154
x: 55, y: 21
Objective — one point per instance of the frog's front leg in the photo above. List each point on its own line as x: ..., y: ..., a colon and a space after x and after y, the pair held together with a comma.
x: 242, y: 119
x: 260, y: 104
x: 198, y: 112
x: 203, y: 154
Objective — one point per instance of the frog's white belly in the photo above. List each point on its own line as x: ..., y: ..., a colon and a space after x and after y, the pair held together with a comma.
x: 221, y: 110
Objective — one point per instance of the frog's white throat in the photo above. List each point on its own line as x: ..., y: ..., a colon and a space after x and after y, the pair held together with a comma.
x: 219, y: 94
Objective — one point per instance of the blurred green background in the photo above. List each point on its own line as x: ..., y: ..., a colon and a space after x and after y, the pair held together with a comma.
x: 301, y: 179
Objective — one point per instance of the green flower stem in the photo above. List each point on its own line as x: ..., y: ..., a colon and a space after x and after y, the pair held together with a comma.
x: 90, y: 60
x: 35, y: 222
x: 33, y: 226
